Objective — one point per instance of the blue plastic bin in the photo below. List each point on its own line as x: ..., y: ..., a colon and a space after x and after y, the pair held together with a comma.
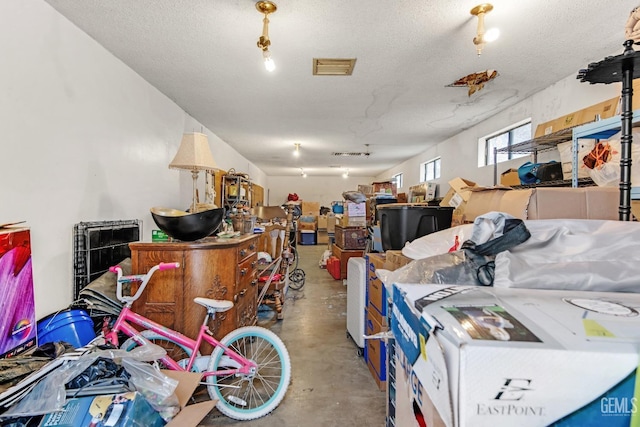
x: 72, y: 326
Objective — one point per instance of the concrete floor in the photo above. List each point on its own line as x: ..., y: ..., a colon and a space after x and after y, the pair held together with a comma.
x: 330, y: 384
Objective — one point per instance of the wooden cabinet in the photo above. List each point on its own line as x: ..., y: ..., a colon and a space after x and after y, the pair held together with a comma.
x: 343, y: 255
x: 210, y: 268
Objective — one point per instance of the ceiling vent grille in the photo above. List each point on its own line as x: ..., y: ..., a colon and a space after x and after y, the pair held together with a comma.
x: 351, y: 154
x: 333, y: 67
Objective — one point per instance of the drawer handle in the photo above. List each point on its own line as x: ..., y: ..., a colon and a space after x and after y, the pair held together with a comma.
x: 254, y: 282
x: 253, y: 264
x: 252, y: 246
x: 243, y: 252
x: 243, y: 272
x: 238, y: 295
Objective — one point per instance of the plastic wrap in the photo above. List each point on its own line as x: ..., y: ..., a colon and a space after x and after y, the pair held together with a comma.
x: 590, y: 255
x: 49, y: 394
x: 473, y: 263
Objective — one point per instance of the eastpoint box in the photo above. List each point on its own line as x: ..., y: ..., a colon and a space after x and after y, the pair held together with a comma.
x: 484, y: 356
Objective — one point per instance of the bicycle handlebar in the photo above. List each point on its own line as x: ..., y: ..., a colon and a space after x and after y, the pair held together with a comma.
x: 168, y: 265
x: 142, y: 278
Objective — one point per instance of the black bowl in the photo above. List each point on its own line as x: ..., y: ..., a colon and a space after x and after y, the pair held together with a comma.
x: 187, y: 226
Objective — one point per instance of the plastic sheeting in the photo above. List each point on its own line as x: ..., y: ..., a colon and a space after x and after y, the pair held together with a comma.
x: 575, y: 254
x: 562, y: 254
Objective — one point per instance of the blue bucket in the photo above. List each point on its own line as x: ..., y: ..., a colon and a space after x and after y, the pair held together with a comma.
x: 72, y: 326
x: 337, y: 208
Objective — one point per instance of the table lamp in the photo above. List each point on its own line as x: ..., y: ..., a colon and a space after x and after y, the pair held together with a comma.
x: 194, y: 155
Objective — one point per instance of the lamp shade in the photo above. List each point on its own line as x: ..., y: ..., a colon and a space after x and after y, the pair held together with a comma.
x: 194, y: 153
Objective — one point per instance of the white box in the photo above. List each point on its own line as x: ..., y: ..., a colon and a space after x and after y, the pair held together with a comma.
x: 499, y: 357
x: 356, y: 209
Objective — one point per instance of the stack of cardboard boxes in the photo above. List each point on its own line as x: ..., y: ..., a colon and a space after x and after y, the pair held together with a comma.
x: 350, y: 236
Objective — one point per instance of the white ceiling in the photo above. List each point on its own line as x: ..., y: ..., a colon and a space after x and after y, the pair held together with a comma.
x: 203, y: 55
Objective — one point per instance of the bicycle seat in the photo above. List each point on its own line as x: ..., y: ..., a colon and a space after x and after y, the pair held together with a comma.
x: 218, y: 305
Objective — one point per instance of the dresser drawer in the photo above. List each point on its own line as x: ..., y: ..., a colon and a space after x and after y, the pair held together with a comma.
x: 246, y: 249
x: 247, y: 270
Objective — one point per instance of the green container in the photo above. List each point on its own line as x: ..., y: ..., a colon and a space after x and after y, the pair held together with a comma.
x: 159, y: 236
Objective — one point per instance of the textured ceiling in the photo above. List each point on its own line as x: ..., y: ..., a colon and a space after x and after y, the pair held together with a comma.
x: 203, y: 55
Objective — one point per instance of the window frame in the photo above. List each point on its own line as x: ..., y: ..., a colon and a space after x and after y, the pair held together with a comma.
x: 486, y: 154
x: 397, y: 179
x: 437, y: 169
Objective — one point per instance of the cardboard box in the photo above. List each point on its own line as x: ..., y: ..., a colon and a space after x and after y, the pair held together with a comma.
x: 458, y: 193
x: 395, y: 260
x: 322, y: 237
x: 18, y: 324
x: 367, y: 190
x: 510, y: 178
x: 322, y: 222
x: 422, y: 192
x: 504, y: 357
x: 128, y: 409
x: 331, y: 222
x: 307, y: 226
x: 353, y: 209
x: 376, y: 294
x: 189, y: 415
x: 545, y: 203
x: 348, y: 221
x: 375, y: 350
x: 385, y: 187
x: 603, y: 109
x: 310, y: 208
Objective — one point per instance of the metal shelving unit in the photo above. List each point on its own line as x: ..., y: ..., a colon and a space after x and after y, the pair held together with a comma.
x: 602, y: 129
x: 233, y: 187
x: 535, y: 146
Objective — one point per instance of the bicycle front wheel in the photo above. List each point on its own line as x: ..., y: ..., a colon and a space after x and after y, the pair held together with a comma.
x: 247, y: 397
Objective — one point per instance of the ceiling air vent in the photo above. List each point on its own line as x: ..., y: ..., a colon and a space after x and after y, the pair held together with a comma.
x: 351, y: 154
x: 333, y: 66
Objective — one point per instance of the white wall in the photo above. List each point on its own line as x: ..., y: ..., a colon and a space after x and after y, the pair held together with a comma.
x: 459, y: 153
x: 322, y: 189
x: 84, y: 138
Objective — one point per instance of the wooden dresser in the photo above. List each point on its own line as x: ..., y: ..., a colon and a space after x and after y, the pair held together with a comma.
x: 212, y: 268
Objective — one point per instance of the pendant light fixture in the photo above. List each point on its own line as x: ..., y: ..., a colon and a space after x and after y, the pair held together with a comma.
x: 266, y: 7
x: 482, y: 37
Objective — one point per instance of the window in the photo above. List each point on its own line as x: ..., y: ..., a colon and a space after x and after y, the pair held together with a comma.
x: 430, y: 170
x: 397, y: 178
x: 520, y: 132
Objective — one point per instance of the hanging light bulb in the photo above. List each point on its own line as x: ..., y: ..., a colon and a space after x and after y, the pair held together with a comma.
x: 345, y: 175
x: 482, y: 37
x: 266, y: 7
x: 296, y: 152
x: 303, y: 173
x: 268, y: 62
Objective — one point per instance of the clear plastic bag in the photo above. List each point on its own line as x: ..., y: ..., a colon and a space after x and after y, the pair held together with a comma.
x: 156, y: 387
x: 49, y: 394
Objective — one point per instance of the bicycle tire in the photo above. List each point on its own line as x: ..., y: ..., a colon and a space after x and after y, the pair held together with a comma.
x: 297, y: 279
x: 293, y: 265
x: 174, y: 350
x: 258, y: 394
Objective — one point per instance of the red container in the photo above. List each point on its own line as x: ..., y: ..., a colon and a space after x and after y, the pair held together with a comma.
x: 333, y: 267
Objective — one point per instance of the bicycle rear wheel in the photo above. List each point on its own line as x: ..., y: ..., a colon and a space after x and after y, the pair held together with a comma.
x: 247, y: 397
x: 174, y: 350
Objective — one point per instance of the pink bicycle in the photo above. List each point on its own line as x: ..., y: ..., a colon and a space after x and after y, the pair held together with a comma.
x: 248, y: 371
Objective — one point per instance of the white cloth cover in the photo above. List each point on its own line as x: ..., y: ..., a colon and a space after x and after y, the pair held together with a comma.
x: 590, y: 255
x: 563, y: 254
